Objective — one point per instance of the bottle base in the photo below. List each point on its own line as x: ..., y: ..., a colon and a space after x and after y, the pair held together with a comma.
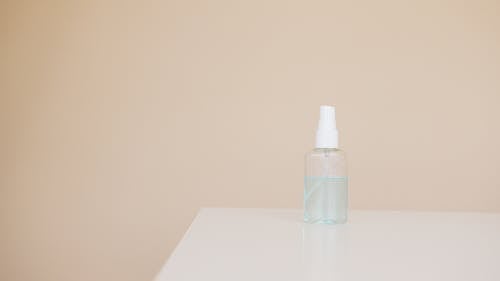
x: 324, y: 221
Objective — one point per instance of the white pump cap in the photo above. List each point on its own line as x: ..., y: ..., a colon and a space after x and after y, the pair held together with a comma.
x: 327, y: 135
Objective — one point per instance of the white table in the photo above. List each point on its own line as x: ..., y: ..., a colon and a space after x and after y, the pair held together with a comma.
x: 274, y: 245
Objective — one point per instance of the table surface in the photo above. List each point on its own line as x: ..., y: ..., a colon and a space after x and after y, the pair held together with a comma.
x: 274, y: 244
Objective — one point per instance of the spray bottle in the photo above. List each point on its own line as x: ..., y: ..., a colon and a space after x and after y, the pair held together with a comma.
x: 325, y: 182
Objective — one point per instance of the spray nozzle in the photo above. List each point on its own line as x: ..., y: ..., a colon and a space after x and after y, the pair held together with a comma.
x: 327, y: 134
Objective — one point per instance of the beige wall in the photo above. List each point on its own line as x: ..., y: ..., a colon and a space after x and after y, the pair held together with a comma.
x: 120, y: 119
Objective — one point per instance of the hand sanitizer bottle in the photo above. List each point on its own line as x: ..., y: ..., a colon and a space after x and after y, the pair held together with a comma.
x: 325, y: 182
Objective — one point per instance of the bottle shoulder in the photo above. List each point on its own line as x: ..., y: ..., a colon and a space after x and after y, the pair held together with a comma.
x: 326, y: 162
x: 326, y: 151
x: 323, y: 154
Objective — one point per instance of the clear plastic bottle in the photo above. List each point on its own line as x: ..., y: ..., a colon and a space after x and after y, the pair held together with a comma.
x: 325, y: 182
